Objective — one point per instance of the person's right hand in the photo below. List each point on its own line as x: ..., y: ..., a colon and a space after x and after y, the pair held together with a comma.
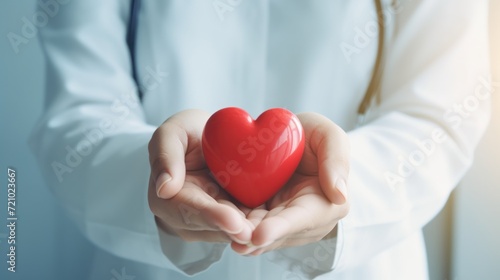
x: 184, y: 198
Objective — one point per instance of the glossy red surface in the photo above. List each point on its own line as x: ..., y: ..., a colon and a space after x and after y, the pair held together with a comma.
x: 252, y: 159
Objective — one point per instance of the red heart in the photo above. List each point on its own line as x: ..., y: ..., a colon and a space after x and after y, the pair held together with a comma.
x: 251, y: 159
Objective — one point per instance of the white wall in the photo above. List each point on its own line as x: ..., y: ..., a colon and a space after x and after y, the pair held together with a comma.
x: 463, y: 240
x: 41, y: 225
x: 476, y: 240
x: 21, y: 89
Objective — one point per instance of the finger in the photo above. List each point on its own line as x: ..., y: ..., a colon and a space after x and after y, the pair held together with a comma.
x: 245, y: 235
x: 247, y: 250
x: 230, y: 204
x: 204, y: 236
x: 190, y: 235
x: 256, y: 215
x: 238, y: 228
x: 258, y: 252
x: 205, y: 211
x: 300, y: 217
x: 292, y: 241
x: 214, y: 218
x: 195, y: 210
x: 274, y: 228
x: 199, y: 211
x: 330, y: 144
x: 168, y: 169
x: 168, y: 147
x: 243, y: 249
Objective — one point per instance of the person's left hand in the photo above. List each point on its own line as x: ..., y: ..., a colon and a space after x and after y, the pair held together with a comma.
x: 309, y: 206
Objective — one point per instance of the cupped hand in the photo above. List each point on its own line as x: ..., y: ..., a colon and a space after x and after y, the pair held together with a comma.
x: 183, y: 197
x: 309, y: 206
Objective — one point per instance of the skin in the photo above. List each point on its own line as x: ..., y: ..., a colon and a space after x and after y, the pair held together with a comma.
x: 188, y: 203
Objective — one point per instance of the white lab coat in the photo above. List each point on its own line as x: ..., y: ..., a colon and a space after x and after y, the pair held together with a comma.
x: 317, y: 56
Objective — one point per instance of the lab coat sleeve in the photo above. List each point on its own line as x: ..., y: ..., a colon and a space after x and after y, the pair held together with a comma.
x: 91, y: 142
x: 419, y: 141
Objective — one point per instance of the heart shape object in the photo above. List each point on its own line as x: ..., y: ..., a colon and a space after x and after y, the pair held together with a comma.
x: 252, y: 159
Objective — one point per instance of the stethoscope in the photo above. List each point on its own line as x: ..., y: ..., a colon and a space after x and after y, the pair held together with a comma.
x: 373, y: 89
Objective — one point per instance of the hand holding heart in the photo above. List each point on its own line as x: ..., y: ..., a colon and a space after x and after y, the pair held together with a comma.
x: 182, y: 195
x: 188, y: 203
x: 302, y: 211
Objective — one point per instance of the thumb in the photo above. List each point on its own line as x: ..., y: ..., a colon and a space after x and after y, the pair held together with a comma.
x: 333, y: 160
x: 331, y: 146
x: 166, y: 156
x: 168, y: 148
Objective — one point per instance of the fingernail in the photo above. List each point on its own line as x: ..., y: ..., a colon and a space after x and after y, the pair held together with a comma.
x: 229, y: 231
x: 161, y: 181
x: 237, y: 240
x: 342, y: 187
x: 257, y: 252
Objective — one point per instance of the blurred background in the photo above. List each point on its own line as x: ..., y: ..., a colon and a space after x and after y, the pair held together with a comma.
x: 462, y: 241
